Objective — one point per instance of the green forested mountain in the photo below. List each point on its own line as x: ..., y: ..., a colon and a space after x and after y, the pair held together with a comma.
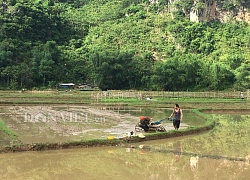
x: 121, y: 44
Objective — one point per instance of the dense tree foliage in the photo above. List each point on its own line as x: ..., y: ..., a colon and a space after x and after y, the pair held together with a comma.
x: 120, y: 44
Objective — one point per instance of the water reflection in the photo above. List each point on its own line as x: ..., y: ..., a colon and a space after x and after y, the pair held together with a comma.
x: 177, y: 150
x: 222, y: 153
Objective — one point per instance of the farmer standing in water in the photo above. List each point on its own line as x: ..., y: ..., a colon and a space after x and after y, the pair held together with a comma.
x: 178, y: 115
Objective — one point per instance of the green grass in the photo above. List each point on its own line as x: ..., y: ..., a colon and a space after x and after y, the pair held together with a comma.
x: 85, y: 97
x: 7, y: 131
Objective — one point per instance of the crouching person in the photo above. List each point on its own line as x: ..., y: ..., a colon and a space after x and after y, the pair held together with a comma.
x: 144, y: 122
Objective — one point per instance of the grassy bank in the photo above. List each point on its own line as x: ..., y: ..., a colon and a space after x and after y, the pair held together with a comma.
x: 7, y: 131
x: 7, y: 135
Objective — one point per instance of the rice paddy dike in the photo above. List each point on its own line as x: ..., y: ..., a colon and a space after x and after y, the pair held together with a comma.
x: 200, y: 106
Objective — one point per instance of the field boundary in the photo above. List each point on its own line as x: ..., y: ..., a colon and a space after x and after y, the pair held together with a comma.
x: 208, y: 125
x: 148, y: 95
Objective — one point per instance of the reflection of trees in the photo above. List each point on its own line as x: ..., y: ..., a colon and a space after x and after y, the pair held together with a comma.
x: 218, y: 159
x: 223, y: 152
x: 118, y: 163
x: 228, y: 138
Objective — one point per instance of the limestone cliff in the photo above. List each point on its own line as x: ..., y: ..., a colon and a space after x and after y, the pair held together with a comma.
x: 203, y: 11
x: 207, y: 10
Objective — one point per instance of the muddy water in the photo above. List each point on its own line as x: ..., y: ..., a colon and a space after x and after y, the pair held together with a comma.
x: 222, y: 154
x: 40, y: 124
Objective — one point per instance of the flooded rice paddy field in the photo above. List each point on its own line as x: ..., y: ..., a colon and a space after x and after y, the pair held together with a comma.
x: 40, y: 124
x: 222, y: 153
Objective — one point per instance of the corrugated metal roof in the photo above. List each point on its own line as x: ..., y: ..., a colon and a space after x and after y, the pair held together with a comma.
x: 67, y: 84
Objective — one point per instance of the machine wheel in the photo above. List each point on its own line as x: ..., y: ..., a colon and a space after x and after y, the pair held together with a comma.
x: 161, y: 129
x: 138, y: 128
